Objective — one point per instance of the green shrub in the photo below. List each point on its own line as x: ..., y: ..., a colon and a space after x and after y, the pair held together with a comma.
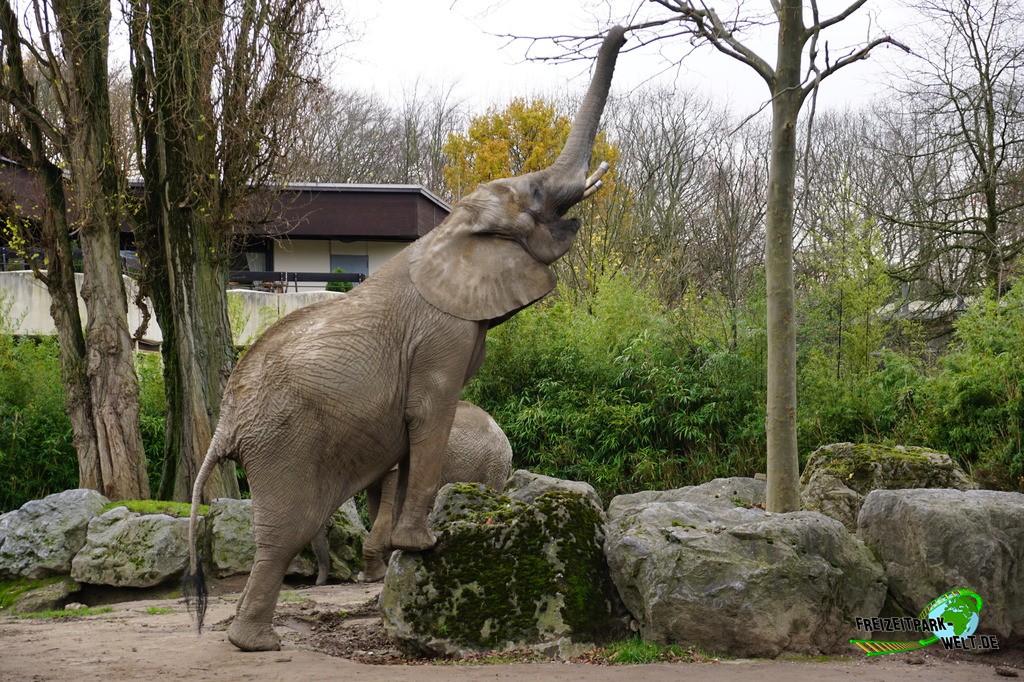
x: 972, y: 405
x: 613, y: 390
x: 342, y: 287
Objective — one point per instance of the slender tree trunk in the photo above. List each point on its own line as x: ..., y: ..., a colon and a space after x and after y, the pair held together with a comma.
x: 110, y: 363
x: 97, y: 368
x: 60, y: 283
x: 184, y: 251
x: 783, y: 463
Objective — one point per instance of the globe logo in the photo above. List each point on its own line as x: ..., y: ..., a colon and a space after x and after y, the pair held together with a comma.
x: 951, y: 619
x: 960, y: 612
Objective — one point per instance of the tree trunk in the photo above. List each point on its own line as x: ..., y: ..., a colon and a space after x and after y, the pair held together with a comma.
x: 184, y: 252
x: 783, y: 493
x: 97, y: 368
x: 110, y: 364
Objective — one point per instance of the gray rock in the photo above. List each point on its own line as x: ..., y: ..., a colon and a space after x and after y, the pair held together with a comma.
x: 232, y: 547
x: 737, y: 580
x: 504, y: 575
x: 40, y: 595
x: 526, y: 486
x: 127, y: 549
x: 43, y: 536
x: 932, y: 541
x: 725, y: 493
x: 838, y: 476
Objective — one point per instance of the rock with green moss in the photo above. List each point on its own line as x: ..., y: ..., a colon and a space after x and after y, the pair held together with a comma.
x: 505, y: 574
x: 735, y: 580
x: 127, y: 549
x: 932, y: 540
x: 232, y: 547
x: 31, y: 596
x: 838, y: 477
x: 42, y: 537
x: 527, y: 486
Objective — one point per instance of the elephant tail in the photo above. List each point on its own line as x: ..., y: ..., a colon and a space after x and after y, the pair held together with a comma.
x: 193, y: 581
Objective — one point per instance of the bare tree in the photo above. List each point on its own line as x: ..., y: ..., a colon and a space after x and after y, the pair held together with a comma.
x: 357, y: 137
x: 69, y: 49
x: 967, y: 94
x: 790, y: 82
x: 215, y: 86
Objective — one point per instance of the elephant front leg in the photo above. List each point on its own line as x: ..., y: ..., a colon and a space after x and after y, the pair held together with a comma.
x: 419, y: 480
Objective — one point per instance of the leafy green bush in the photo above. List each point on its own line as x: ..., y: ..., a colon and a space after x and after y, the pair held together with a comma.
x: 611, y: 390
x: 972, y: 405
x: 341, y: 287
x: 37, y: 454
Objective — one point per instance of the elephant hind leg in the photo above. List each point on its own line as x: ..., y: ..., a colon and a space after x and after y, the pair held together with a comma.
x: 252, y: 629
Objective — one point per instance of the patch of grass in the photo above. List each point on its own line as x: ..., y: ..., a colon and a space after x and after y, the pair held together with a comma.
x: 638, y: 651
x: 63, y: 613
x: 11, y: 590
x: 291, y: 598
x: 180, y: 510
x: 158, y: 610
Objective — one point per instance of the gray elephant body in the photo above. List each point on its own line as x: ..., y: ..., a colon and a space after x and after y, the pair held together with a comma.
x: 333, y: 396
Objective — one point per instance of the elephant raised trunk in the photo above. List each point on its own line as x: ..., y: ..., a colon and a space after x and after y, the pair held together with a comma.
x: 566, y: 178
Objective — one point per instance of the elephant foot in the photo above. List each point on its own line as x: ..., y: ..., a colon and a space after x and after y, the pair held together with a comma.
x: 412, y: 539
x: 373, y: 571
x: 321, y: 577
x: 249, y: 636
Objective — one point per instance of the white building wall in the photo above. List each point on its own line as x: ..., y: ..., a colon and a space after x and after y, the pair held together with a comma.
x: 27, y: 305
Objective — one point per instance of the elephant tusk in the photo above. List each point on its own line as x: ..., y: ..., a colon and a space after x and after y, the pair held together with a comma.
x: 601, y: 170
x: 592, y: 189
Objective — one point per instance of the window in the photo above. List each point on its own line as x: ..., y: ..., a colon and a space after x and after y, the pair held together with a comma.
x: 351, y: 264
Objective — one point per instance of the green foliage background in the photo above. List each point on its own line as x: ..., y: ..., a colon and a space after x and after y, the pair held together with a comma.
x: 616, y: 389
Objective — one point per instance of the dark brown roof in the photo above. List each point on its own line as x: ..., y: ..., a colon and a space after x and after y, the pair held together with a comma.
x: 320, y: 210
x: 299, y: 210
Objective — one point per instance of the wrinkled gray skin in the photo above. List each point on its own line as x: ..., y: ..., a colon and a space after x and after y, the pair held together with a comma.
x: 478, y: 452
x: 334, y: 395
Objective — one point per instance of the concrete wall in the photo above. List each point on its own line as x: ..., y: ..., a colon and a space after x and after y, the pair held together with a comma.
x: 250, y: 311
x: 29, y: 302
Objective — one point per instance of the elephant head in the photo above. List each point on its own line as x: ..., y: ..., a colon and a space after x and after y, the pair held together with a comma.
x: 490, y: 257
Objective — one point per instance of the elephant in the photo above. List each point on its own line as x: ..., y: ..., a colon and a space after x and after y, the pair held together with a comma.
x: 478, y: 452
x: 334, y: 395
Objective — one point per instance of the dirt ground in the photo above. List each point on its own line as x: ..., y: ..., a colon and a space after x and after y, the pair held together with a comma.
x: 333, y: 632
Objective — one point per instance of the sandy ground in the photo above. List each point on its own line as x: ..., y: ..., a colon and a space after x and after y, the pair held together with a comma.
x: 331, y: 632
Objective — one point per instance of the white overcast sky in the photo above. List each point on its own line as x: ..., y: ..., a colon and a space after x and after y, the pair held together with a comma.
x: 445, y: 42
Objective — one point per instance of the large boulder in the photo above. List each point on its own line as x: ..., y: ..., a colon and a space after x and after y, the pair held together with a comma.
x: 700, y: 566
x: 526, y: 486
x: 932, y: 541
x: 43, y: 536
x: 127, y: 549
x: 232, y: 547
x: 505, y: 574
x: 838, y: 477
x: 724, y: 493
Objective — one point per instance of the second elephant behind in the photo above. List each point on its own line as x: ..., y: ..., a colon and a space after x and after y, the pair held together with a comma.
x: 478, y: 452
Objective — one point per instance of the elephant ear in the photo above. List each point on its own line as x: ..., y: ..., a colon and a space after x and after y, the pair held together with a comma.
x: 477, y: 276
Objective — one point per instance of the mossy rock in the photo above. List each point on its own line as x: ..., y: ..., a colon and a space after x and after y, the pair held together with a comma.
x: 32, y: 596
x: 838, y: 476
x: 504, y: 575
